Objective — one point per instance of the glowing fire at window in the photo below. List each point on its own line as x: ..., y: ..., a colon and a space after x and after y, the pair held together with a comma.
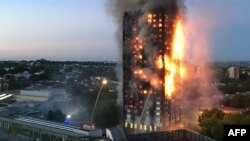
x: 159, y: 62
x: 140, y: 56
x: 154, y: 82
x: 140, y: 71
x: 150, y: 18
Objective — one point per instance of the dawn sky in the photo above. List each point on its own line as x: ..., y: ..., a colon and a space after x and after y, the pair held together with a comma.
x: 81, y: 30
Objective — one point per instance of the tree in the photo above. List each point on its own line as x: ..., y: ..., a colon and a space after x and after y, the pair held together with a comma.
x: 107, y: 72
x: 51, y: 115
x: 2, y: 71
x: 245, y: 85
x: 56, y: 116
x: 211, y: 123
x: 107, y: 115
x: 236, y: 119
x: 237, y: 101
x: 59, y: 116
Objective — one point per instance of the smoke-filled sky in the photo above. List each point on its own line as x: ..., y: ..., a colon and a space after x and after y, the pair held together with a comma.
x: 81, y: 30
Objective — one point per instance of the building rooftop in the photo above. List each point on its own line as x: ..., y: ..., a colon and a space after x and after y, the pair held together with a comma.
x: 47, y: 125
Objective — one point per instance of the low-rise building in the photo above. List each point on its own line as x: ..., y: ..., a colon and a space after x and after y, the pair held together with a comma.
x: 40, y: 94
x: 24, y: 128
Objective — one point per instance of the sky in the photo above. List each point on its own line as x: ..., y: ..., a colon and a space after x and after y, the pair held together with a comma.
x: 81, y: 30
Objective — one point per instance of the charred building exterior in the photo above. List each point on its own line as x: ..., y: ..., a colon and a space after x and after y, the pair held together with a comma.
x: 147, y: 38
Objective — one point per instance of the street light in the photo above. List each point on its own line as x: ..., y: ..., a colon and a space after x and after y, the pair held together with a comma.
x: 68, y: 116
x: 104, y: 82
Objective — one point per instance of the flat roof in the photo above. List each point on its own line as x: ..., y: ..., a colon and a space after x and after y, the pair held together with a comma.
x: 47, y: 125
x: 4, y: 96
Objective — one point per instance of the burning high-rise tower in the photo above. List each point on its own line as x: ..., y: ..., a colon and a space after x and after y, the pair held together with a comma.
x: 154, y: 72
x: 152, y: 54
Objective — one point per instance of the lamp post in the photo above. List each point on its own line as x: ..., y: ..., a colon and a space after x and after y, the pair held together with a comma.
x: 104, y: 82
x: 68, y: 116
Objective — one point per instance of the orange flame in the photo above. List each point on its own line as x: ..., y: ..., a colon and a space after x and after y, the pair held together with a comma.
x: 178, y: 43
x: 159, y: 62
x: 172, y: 65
